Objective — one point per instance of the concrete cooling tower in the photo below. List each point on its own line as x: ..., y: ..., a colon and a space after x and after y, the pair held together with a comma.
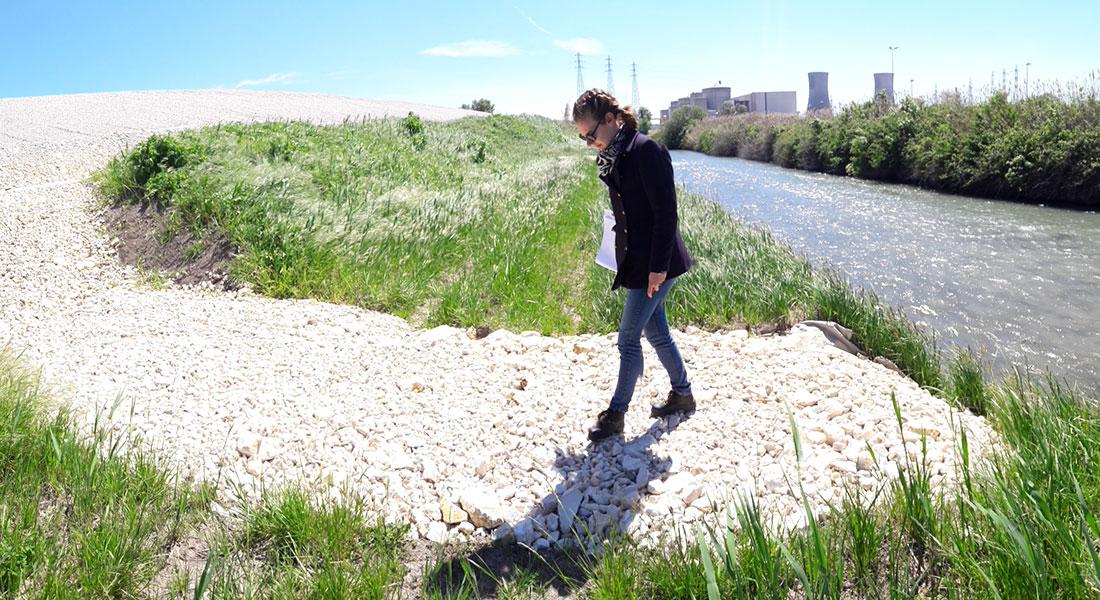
x: 819, y: 91
x: 884, y: 82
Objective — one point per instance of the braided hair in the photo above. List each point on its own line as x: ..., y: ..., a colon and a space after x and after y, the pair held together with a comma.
x: 595, y: 103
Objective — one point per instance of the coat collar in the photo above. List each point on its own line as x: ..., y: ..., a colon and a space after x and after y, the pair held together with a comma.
x: 632, y: 134
x: 614, y: 180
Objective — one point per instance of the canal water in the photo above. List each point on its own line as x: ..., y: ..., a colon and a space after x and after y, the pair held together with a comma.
x: 1019, y: 282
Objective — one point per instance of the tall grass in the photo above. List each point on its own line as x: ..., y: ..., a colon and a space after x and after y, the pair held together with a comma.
x: 1021, y: 525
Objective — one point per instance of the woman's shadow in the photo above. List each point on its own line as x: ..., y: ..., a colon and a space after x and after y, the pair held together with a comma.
x: 598, y: 497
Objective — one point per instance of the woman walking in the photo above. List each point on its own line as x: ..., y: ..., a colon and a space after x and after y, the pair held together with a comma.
x: 649, y: 252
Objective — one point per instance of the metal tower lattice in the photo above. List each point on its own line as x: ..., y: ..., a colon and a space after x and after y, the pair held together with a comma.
x: 634, y: 102
x: 610, y: 83
x: 580, y: 77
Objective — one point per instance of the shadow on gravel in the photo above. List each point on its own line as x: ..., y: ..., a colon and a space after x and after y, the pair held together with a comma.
x: 599, y: 493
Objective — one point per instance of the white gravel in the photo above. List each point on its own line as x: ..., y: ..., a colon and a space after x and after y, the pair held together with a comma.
x: 468, y: 438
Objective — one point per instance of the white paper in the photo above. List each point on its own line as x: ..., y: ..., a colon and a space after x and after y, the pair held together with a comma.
x: 606, y: 256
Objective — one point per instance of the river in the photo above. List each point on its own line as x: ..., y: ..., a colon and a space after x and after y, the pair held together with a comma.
x: 1019, y: 282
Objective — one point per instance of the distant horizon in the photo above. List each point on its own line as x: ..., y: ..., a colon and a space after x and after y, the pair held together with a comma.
x: 522, y: 56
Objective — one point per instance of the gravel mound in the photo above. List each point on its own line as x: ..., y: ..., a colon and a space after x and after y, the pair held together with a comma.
x: 469, y: 437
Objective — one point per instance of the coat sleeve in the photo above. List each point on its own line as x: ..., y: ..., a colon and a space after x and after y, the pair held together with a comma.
x: 660, y: 189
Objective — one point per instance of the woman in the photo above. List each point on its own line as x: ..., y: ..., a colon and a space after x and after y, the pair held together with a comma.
x: 649, y: 252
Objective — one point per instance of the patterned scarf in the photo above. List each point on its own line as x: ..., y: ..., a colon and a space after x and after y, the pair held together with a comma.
x: 606, y: 158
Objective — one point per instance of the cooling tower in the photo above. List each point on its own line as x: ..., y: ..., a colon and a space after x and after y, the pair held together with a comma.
x: 884, y: 82
x: 819, y: 91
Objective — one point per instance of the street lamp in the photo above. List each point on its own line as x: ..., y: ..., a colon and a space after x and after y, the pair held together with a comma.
x: 892, y: 48
x: 910, y: 88
x: 1027, y: 72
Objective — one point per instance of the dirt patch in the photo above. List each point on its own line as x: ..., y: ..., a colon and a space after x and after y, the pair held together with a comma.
x: 185, y: 259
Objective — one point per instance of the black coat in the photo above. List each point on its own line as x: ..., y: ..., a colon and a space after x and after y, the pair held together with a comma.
x: 643, y: 198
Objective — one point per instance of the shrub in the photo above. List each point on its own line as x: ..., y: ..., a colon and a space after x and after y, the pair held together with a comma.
x: 672, y: 134
x: 155, y: 155
x: 412, y: 124
x: 481, y: 104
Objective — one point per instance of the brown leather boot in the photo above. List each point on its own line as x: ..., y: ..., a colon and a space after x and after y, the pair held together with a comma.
x: 673, y: 404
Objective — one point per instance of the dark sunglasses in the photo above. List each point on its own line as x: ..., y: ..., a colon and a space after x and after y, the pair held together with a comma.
x: 591, y: 135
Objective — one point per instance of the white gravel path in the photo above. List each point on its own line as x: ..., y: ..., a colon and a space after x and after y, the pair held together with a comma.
x: 436, y: 425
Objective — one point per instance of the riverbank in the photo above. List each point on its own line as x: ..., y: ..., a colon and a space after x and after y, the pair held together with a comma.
x: 484, y: 223
x: 1038, y: 150
x: 316, y: 371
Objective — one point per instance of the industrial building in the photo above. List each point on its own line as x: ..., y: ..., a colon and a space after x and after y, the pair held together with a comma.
x: 712, y: 99
x: 768, y: 102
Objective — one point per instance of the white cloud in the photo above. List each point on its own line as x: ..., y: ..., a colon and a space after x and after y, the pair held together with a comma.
x: 472, y: 48
x: 287, y: 77
x: 582, y: 45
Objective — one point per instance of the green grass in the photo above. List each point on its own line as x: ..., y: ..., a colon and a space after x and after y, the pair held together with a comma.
x: 290, y: 545
x: 78, y: 517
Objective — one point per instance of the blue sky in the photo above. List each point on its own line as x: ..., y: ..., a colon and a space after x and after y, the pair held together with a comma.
x: 522, y: 55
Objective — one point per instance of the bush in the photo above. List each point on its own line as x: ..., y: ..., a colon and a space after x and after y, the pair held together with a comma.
x: 645, y: 119
x: 155, y: 155
x: 412, y: 124
x: 481, y: 104
x: 672, y: 133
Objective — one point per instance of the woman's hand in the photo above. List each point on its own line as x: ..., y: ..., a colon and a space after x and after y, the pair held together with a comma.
x: 655, y: 281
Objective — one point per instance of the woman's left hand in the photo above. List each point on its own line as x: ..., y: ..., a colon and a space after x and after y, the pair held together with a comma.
x: 655, y: 281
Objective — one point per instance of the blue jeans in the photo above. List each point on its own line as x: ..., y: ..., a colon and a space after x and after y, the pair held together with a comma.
x: 642, y: 314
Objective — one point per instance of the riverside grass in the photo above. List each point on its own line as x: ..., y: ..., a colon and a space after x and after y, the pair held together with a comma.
x: 1022, y: 525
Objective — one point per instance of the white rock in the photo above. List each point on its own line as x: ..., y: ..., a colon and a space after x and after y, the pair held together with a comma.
x: 437, y: 532
x: 248, y: 444
x: 814, y: 436
x: 633, y: 463
x: 525, y: 531
x: 450, y: 513
x: 774, y: 478
x: 504, y: 534
x: 568, y: 505
x: 483, y: 507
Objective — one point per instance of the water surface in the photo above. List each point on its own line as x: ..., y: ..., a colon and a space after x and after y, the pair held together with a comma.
x: 1020, y: 282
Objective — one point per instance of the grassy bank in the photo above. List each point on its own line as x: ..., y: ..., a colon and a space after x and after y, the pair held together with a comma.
x: 1041, y: 149
x: 424, y: 221
x: 487, y: 222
